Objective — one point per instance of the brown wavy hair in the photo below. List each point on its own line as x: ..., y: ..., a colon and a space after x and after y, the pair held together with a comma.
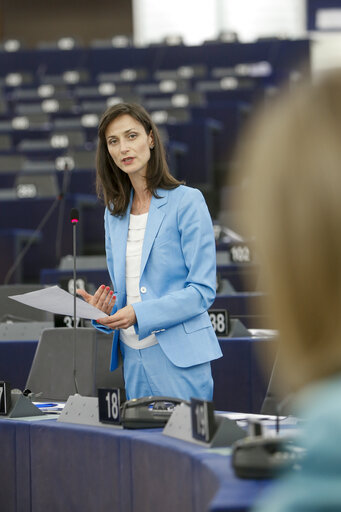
x: 113, y: 185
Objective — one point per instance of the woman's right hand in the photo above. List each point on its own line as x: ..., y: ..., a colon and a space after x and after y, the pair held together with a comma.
x: 103, y: 299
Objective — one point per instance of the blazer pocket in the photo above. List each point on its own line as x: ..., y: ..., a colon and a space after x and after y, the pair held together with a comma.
x: 167, y: 237
x: 160, y: 241
x: 198, y: 322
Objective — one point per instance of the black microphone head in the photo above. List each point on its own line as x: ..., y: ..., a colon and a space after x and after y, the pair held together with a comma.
x: 74, y: 215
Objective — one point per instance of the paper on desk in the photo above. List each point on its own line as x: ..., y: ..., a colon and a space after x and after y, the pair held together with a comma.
x: 58, y: 301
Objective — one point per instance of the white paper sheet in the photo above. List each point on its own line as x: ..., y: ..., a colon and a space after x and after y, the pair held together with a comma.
x: 58, y: 301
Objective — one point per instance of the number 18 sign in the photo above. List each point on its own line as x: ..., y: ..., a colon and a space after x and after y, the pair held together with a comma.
x: 109, y: 405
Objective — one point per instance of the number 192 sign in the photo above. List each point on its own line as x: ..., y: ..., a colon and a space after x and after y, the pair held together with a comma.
x: 240, y: 254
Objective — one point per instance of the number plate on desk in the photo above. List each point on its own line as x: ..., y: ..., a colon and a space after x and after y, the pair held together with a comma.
x: 203, y: 424
x: 240, y: 254
x: 5, y: 398
x: 67, y: 321
x: 220, y: 321
x: 109, y: 405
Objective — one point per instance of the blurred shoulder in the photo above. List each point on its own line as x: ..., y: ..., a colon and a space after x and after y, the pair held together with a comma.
x: 321, y: 399
x: 185, y: 193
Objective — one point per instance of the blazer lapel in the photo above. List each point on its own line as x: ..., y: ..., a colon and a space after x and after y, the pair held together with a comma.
x: 155, y: 218
x: 119, y: 249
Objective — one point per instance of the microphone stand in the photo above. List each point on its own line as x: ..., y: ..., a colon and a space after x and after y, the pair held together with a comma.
x: 59, y: 230
x: 280, y: 407
x: 59, y: 199
x: 74, y: 220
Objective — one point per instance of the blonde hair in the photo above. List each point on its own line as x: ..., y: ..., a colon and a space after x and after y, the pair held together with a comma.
x: 291, y: 164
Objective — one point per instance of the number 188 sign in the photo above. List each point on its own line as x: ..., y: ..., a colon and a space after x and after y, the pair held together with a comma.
x: 220, y: 321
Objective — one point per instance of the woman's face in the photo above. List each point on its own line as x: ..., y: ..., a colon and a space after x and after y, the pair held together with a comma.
x: 129, y: 145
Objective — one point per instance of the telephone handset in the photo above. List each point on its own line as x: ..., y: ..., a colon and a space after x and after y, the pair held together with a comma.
x: 148, y: 411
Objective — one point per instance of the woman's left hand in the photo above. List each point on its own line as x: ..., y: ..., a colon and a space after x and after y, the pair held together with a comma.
x: 122, y: 319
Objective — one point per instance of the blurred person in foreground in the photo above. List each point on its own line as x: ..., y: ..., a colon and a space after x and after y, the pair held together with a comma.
x: 291, y: 168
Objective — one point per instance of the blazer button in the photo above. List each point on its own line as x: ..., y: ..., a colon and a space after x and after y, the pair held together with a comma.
x: 143, y: 289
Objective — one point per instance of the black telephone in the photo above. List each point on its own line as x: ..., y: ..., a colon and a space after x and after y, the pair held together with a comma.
x: 148, y: 411
x: 266, y: 457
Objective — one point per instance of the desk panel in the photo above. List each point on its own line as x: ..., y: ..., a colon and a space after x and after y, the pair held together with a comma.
x: 15, y: 493
x: 233, y: 494
x: 170, y: 475
x: 7, y: 467
x: 55, y: 466
x: 16, y: 358
x: 74, y: 468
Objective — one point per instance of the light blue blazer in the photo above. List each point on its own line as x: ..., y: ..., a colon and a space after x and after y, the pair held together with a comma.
x: 178, y: 276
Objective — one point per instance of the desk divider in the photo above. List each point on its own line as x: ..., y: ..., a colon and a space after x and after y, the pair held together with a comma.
x: 82, y: 410
x: 180, y: 426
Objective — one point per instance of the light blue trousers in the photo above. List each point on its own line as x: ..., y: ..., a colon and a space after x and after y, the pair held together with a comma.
x: 149, y: 372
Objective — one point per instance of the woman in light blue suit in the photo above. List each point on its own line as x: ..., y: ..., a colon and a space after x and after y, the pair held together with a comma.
x: 161, y: 258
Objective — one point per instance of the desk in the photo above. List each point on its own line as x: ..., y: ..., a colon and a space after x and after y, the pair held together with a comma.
x: 240, y: 384
x: 12, y: 241
x: 15, y: 361
x: 27, y: 213
x: 47, y: 465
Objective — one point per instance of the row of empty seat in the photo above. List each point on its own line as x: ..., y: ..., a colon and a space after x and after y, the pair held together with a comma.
x: 51, y: 100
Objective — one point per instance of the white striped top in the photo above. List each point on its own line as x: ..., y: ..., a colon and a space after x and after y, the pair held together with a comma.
x: 137, y: 228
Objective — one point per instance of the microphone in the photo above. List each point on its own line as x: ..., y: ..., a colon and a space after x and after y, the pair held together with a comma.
x: 74, y: 217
